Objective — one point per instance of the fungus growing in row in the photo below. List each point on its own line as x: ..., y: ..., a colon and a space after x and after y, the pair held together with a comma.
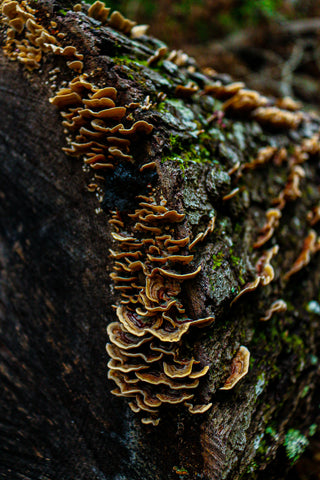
x: 239, y: 368
x: 310, y: 246
x: 273, y: 216
x: 149, y: 284
x: 99, y: 12
x: 277, y: 306
x: 20, y: 19
x: 93, y: 117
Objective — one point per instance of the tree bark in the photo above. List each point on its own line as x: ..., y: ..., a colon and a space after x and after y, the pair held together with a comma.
x: 58, y: 417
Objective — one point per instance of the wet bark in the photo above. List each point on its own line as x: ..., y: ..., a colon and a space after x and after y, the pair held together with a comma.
x: 58, y: 418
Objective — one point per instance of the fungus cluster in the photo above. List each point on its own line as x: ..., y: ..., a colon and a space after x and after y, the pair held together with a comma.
x: 150, y: 364
x: 92, y: 116
x: 27, y: 40
x: 98, y: 11
x: 239, y: 100
x: 147, y: 362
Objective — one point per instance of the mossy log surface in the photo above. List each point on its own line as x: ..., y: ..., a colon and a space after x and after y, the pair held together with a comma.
x: 58, y: 418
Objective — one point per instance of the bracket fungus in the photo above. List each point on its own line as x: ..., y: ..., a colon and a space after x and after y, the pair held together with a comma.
x: 150, y: 308
x: 265, y: 273
x: 152, y: 259
x: 310, y: 246
x: 273, y: 217
x: 277, y: 306
x: 239, y: 368
x: 27, y: 40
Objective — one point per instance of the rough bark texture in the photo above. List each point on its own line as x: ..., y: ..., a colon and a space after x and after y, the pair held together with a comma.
x: 58, y: 418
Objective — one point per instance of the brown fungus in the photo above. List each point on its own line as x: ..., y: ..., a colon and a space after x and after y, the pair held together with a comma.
x: 273, y: 216
x: 239, y: 368
x: 309, y: 247
x: 313, y: 216
x: 277, y: 118
x: 98, y: 11
x: 150, y: 305
x: 159, y: 54
x: 277, y: 306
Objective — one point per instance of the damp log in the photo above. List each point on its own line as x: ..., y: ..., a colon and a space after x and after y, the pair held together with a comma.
x: 58, y: 418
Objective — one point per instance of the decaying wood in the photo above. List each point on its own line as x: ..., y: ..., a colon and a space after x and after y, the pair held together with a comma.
x: 58, y: 417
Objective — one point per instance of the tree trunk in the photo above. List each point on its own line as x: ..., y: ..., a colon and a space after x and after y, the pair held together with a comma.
x: 58, y: 418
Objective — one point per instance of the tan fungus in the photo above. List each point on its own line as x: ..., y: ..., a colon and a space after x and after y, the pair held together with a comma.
x: 239, y: 368
x: 277, y: 306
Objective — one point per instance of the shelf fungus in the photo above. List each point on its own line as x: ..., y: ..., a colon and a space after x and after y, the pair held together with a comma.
x: 93, y: 118
x: 223, y: 92
x: 158, y: 55
x: 313, y: 216
x: 277, y: 306
x: 203, y: 235
x: 99, y: 12
x: 186, y: 91
x: 291, y: 190
x: 265, y: 273
x: 277, y: 118
x: 264, y: 156
x: 27, y: 40
x: 310, y: 246
x: 273, y: 217
x: 244, y: 102
x: 147, y: 363
x: 239, y: 368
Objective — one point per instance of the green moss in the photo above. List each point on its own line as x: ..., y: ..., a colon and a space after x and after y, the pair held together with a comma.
x: 305, y: 391
x: 272, y: 432
x: 162, y: 107
x: 295, y: 443
x: 217, y: 260
x: 235, y: 260
x: 312, y: 429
